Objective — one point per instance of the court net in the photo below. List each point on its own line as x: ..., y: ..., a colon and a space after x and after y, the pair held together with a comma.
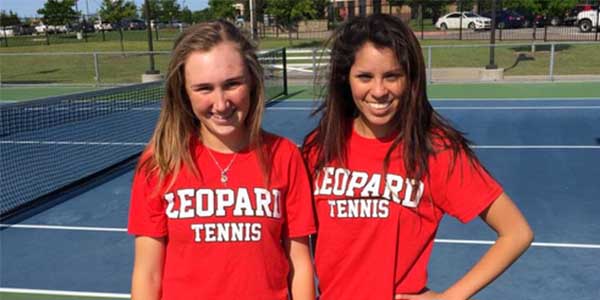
x: 52, y: 143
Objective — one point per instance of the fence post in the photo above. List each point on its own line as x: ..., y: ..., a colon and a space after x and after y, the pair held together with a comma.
x: 96, y: 69
x: 546, y: 28
x: 429, y: 69
x: 314, y: 64
x: 421, y: 21
x: 5, y: 37
x: 597, y: 21
x: 285, y: 83
x: 551, y: 62
x: 460, y: 26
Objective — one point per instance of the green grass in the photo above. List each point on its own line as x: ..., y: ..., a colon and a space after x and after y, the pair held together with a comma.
x: 574, y: 59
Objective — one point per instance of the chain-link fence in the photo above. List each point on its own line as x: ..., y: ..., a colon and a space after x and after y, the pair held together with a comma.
x: 544, y: 61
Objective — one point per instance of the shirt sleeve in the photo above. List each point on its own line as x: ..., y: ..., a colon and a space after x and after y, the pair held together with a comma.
x: 299, y: 205
x: 146, y: 210
x: 464, y: 188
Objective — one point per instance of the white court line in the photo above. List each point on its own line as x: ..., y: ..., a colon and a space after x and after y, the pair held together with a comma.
x: 565, y: 147
x: 534, y: 244
x: 72, y: 143
x: 472, y: 108
x: 562, y: 147
x: 65, y: 293
x: 58, y: 227
x: 443, y: 241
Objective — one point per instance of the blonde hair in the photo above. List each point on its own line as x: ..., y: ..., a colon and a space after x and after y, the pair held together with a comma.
x: 169, y: 146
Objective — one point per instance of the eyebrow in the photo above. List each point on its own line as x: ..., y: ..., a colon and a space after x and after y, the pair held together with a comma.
x: 203, y: 84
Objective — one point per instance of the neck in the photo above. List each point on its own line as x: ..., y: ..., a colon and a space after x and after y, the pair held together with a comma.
x: 367, y: 130
x: 225, y: 144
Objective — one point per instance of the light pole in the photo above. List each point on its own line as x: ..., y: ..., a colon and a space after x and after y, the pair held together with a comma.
x: 152, y: 70
x: 492, y: 65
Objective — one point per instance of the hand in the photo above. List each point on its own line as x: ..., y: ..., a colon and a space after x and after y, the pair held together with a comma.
x: 426, y: 295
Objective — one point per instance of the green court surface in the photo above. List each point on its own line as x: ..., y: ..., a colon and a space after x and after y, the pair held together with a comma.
x: 551, y: 90
x: 15, y: 296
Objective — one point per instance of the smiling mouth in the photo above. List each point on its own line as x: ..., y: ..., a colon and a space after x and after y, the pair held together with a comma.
x: 223, y: 117
x: 379, y: 105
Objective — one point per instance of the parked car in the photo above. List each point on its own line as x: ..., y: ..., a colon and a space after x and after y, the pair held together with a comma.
x: 531, y: 19
x: 571, y: 16
x: 507, y: 19
x: 133, y: 24
x: 81, y: 27
x: 7, y: 31
x: 106, y: 26
x: 586, y: 20
x: 470, y: 20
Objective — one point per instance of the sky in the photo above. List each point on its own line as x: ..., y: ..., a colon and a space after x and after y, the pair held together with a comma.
x: 28, y: 8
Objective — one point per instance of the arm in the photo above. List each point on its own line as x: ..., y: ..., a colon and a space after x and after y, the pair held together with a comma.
x: 147, y: 268
x: 302, y: 284
x: 514, y: 237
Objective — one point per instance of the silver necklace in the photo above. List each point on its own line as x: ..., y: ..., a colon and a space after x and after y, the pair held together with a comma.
x: 224, y: 177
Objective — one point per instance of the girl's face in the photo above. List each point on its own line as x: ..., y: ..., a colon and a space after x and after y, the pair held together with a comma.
x: 377, y: 82
x: 218, y: 87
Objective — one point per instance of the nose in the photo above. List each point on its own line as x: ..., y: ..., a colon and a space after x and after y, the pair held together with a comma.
x: 220, y: 101
x: 379, y: 89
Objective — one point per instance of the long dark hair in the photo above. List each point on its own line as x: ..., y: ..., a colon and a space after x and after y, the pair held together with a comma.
x: 421, y: 130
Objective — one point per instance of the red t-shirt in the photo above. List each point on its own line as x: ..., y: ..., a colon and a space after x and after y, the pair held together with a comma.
x: 375, y: 238
x: 224, y: 240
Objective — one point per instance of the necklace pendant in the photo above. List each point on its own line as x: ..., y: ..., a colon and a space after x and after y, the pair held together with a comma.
x: 224, y: 178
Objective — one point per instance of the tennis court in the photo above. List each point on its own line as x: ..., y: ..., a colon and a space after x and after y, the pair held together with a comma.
x: 541, y: 141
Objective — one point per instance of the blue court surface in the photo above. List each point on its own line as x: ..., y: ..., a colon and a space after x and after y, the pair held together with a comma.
x: 546, y: 154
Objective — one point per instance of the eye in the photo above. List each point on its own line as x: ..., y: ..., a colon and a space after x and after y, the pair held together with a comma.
x: 232, y: 84
x: 364, y: 77
x: 202, y: 88
x: 393, y: 76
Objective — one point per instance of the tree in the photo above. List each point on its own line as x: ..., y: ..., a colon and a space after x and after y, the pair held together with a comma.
x: 154, y: 9
x: 201, y: 15
x: 58, y: 12
x: 222, y: 9
x: 115, y: 11
x: 169, y: 11
x: 321, y: 8
x: 288, y: 13
x: 186, y: 15
x: 9, y: 19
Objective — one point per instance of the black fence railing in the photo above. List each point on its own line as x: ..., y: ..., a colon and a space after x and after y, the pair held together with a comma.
x: 540, y: 20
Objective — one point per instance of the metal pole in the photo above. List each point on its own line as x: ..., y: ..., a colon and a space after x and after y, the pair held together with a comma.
x: 597, y: 21
x: 460, y: 26
x: 150, y: 45
x: 284, y: 64
x: 551, y: 72
x: 492, y: 63
x: 96, y: 69
x: 429, y: 69
x: 314, y: 64
x: 421, y: 21
x: 252, y: 32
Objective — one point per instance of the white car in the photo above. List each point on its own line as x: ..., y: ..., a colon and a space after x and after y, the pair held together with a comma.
x: 470, y: 20
x: 588, y: 19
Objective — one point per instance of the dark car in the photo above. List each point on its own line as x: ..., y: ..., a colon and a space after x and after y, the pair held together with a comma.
x: 531, y: 19
x: 507, y: 19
